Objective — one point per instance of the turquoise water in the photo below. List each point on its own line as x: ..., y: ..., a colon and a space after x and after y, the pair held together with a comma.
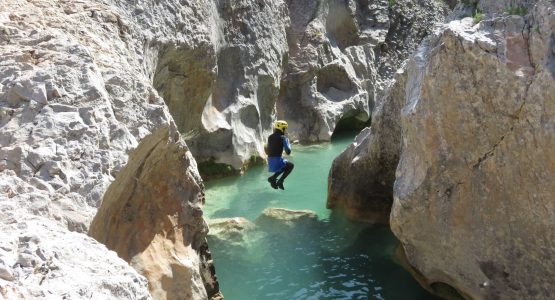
x: 337, y: 259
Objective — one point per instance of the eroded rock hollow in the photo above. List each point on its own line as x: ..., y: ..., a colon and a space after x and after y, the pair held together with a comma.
x: 361, y: 178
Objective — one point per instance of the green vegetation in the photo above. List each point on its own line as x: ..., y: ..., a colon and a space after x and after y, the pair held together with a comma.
x: 254, y: 161
x: 212, y: 170
x: 521, y: 11
x: 392, y: 3
x: 478, y: 15
x: 537, y: 29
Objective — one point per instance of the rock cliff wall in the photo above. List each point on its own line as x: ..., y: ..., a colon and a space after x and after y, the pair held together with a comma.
x: 223, y: 89
x: 374, y: 155
x: 342, y: 54
x: 76, y: 96
x: 246, y: 63
x: 473, y: 133
x: 474, y: 199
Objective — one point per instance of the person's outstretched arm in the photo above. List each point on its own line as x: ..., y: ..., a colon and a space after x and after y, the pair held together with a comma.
x: 286, y: 145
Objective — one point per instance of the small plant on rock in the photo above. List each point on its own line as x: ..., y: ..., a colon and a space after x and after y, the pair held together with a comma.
x: 392, y: 3
x: 520, y: 11
x: 478, y: 15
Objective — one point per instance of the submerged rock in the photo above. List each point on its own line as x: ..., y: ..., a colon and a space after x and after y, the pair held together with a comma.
x: 284, y: 221
x: 151, y: 216
x: 238, y: 238
x: 233, y: 232
x: 474, y: 196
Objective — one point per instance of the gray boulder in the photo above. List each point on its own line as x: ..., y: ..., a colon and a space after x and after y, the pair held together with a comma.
x: 283, y: 221
x: 474, y: 196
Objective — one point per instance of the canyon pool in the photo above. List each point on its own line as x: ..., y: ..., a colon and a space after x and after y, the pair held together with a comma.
x: 338, y: 259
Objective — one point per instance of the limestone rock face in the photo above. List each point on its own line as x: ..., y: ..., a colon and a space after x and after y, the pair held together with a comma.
x: 504, y: 6
x: 41, y: 259
x: 152, y: 217
x: 76, y: 95
x: 474, y: 199
x: 361, y: 178
x: 236, y: 66
x: 223, y: 90
x: 375, y: 154
x: 344, y: 53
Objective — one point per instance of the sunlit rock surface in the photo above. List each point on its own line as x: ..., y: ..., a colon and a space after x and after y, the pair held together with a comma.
x: 475, y: 196
x: 76, y: 96
x: 152, y: 217
x: 40, y: 259
x: 223, y: 89
x: 474, y: 204
x: 342, y: 55
x: 282, y: 220
x: 313, y: 63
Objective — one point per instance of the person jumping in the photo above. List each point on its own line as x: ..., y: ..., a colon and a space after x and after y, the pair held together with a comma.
x: 277, y: 143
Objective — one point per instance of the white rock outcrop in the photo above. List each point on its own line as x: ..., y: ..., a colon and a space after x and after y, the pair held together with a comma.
x: 76, y: 96
x: 41, y: 260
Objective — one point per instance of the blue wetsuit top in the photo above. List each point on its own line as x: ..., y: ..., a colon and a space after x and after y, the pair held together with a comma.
x: 277, y: 143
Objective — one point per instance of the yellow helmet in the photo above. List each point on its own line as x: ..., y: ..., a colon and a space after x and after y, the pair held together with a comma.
x: 281, y: 125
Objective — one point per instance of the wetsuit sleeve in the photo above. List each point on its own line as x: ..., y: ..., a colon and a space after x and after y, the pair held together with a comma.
x: 286, y: 145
